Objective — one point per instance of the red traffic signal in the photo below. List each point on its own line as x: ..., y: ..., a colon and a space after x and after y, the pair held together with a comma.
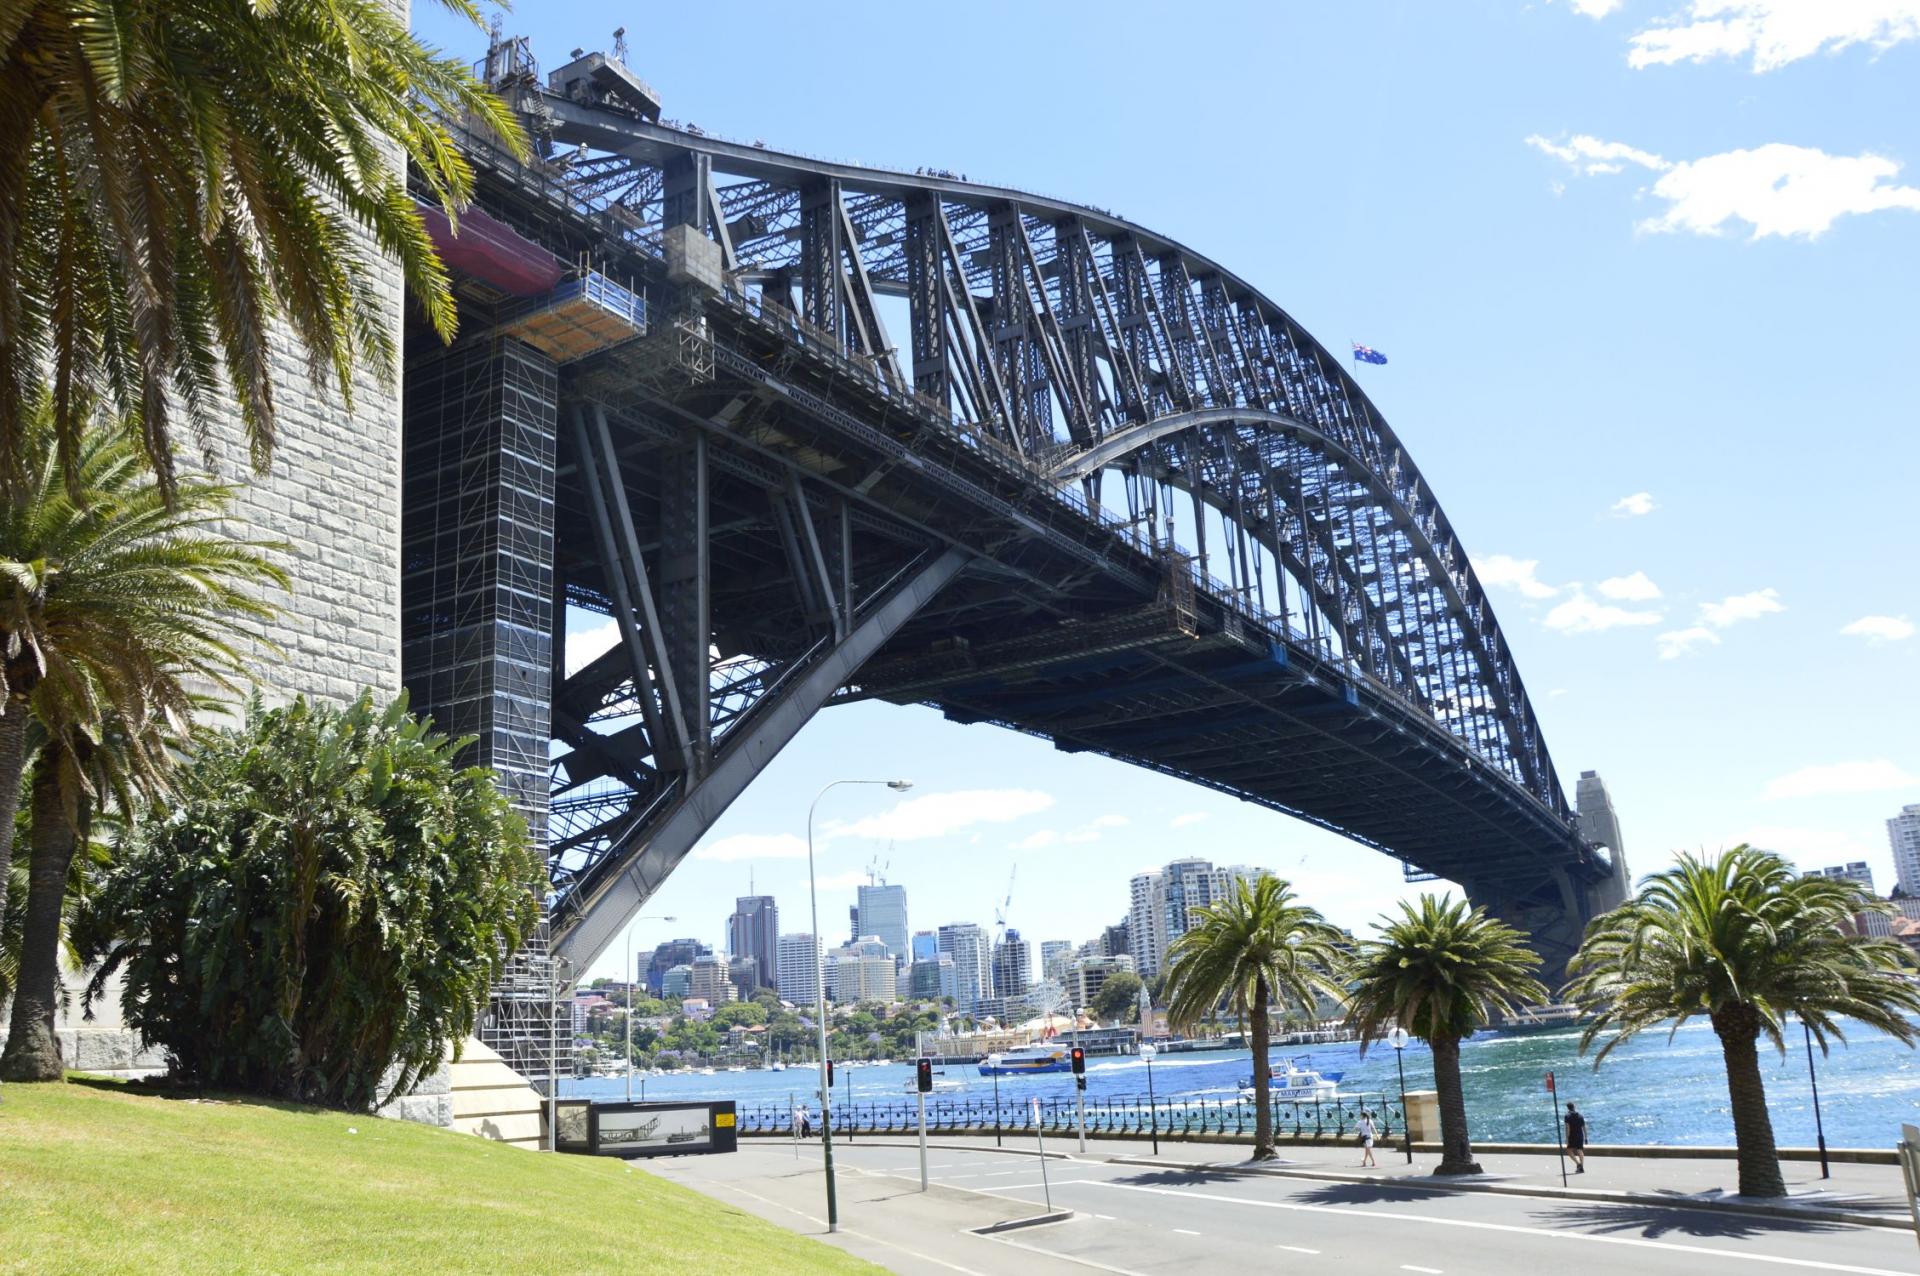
x: 829, y: 1074
x: 923, y: 1076
x: 1079, y: 1055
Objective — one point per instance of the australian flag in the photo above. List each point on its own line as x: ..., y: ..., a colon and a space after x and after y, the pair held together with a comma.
x: 1367, y: 354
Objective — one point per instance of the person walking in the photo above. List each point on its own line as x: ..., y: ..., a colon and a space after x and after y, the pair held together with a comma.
x: 1366, y: 1139
x: 1576, y: 1138
x: 805, y: 1114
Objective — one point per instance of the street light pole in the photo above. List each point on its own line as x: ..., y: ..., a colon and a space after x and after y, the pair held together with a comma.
x: 1153, y: 1112
x: 1398, y: 1040
x: 627, y: 978
x: 1820, y: 1130
x: 820, y: 996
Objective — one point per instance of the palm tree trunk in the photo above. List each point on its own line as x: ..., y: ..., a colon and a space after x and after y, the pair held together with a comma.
x: 1739, y: 1031
x: 1262, y: 1071
x: 1456, y: 1148
x: 33, y: 1051
x: 13, y: 761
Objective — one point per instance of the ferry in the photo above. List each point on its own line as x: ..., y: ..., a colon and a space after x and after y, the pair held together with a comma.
x: 1292, y: 1082
x: 1026, y: 1061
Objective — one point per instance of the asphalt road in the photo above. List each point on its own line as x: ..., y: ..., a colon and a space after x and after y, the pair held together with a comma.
x: 1146, y: 1221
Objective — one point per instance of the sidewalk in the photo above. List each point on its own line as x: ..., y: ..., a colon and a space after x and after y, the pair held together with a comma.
x: 1868, y: 1195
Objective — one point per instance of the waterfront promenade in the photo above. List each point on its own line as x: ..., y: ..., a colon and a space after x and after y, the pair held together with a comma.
x: 1198, y: 1205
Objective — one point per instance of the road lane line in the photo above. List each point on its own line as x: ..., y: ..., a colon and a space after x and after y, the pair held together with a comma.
x: 1298, y: 1249
x: 1186, y: 1231
x: 1376, y: 1216
x: 865, y: 1236
x: 1065, y: 1257
x: 1430, y: 1271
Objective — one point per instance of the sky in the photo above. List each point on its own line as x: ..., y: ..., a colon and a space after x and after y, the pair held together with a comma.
x: 1645, y: 275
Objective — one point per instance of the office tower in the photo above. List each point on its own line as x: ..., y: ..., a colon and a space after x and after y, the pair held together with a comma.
x: 1012, y: 966
x: 1903, y: 834
x: 882, y: 911
x: 1055, y: 956
x: 799, y: 972
x: 754, y: 932
x: 1161, y: 905
x: 710, y: 980
x: 966, y: 944
x: 1853, y: 871
x: 675, y: 952
x: 675, y: 982
x: 926, y: 945
x: 1090, y: 974
x: 744, y: 974
x: 863, y: 971
x: 932, y: 978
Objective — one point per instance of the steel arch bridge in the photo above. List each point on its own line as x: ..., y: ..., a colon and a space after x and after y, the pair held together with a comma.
x: 1107, y: 493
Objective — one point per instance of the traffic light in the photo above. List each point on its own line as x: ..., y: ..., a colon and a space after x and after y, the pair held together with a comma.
x: 923, y: 1076
x: 1079, y: 1055
x: 829, y: 1072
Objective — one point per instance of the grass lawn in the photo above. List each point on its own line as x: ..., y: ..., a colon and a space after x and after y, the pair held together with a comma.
x: 100, y: 1177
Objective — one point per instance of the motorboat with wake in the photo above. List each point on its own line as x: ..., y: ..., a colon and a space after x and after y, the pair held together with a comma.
x: 1295, y: 1080
x: 1026, y: 1061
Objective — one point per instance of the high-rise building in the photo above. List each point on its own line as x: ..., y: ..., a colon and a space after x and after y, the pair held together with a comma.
x: 1090, y: 975
x: 1161, y: 905
x: 1055, y: 956
x: 675, y: 952
x: 1114, y: 940
x: 754, y: 932
x: 1012, y: 966
x: 675, y: 982
x: 932, y: 978
x: 744, y: 974
x: 863, y: 971
x: 883, y: 912
x: 799, y: 969
x: 966, y: 944
x: 926, y: 945
x: 1903, y: 835
x: 1854, y: 871
x: 710, y: 980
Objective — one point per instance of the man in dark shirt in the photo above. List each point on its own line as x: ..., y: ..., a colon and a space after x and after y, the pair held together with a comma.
x: 1577, y: 1139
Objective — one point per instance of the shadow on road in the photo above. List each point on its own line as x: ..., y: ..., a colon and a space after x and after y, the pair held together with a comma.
x: 1681, y: 1218
x: 1195, y: 1177
x: 1373, y: 1193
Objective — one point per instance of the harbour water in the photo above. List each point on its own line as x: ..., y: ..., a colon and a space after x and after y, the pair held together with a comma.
x: 1650, y: 1091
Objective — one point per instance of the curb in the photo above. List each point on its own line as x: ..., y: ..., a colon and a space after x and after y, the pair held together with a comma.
x: 1015, y: 1224
x: 1755, y: 1208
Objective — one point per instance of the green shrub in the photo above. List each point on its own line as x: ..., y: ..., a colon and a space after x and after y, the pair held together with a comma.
x: 321, y: 907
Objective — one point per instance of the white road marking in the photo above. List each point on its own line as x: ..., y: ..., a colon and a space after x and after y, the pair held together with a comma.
x: 1430, y: 1271
x: 1298, y: 1249
x: 1061, y: 1256
x: 1376, y: 1216
x: 1105, y: 1218
x: 1186, y: 1231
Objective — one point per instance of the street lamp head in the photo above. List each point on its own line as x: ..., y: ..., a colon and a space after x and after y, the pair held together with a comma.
x: 1147, y: 1051
x: 899, y: 786
x: 1397, y: 1038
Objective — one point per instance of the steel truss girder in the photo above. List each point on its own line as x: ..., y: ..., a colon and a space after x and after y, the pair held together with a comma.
x: 650, y: 851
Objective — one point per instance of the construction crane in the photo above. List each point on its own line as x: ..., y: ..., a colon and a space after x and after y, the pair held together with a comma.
x: 1000, y: 913
x: 877, y: 869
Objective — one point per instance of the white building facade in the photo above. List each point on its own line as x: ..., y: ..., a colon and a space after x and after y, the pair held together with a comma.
x: 799, y: 960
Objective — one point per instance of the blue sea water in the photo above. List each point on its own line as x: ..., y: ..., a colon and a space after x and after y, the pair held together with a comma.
x: 1654, y: 1090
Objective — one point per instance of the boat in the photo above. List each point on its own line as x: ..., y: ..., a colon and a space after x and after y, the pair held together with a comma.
x: 941, y: 1085
x: 1293, y: 1082
x: 776, y: 1066
x: 1027, y: 1060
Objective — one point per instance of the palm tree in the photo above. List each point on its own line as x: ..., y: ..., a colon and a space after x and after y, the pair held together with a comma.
x: 1255, y: 948
x: 1441, y: 970
x: 114, y: 603
x: 1744, y: 940
x: 175, y: 178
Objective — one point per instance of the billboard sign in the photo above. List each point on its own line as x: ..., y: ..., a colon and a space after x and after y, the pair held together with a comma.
x: 661, y: 1129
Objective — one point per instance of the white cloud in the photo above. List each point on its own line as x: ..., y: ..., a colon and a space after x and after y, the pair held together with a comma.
x: 1581, y: 615
x: 1110, y: 821
x: 1587, y: 154
x: 1777, y: 189
x: 1633, y: 506
x: 1038, y: 840
x: 1877, y: 776
x: 1735, y: 608
x: 1186, y: 819
x: 1773, y: 32
x: 1595, y: 9
x: 587, y: 644
x: 753, y: 846
x: 1504, y: 571
x: 1811, y: 847
x: 849, y: 880
x: 1678, y: 642
x: 1877, y: 629
x: 938, y: 814
x: 1629, y: 589
x: 1089, y: 832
